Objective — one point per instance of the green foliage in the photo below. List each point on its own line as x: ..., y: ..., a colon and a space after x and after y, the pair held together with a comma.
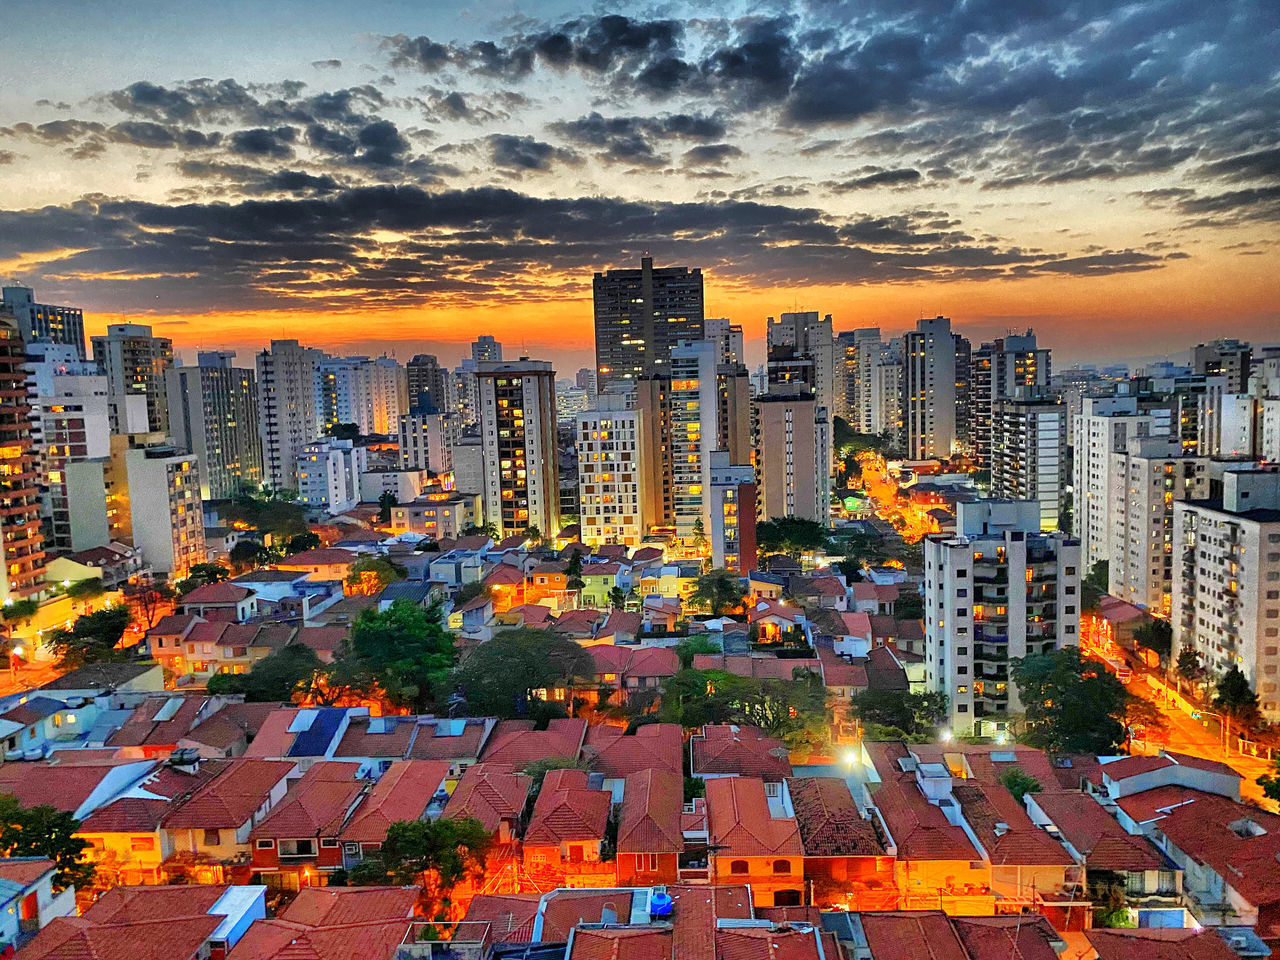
x: 275, y: 514
x: 792, y: 535
x: 86, y: 588
x: 1073, y: 705
x: 538, y: 770
x: 247, y: 554
x: 694, y: 787
x: 486, y: 529
x: 1019, y: 783
x: 1235, y: 698
x: 1156, y: 636
x: 696, y: 645
x: 93, y: 638
x: 532, y: 533
x: 372, y: 574
x: 795, y: 711
x: 45, y: 831
x: 501, y: 675
x: 273, y: 679
x: 909, y: 605
x: 880, y: 733
x: 617, y: 598
x: 344, y: 431
x: 1188, y: 666
x: 469, y: 592
x: 915, y: 714
x: 300, y: 542
x: 435, y: 855
x: 385, y: 503
x: 847, y: 442
x: 1270, y: 783
x: 404, y: 652
x: 1094, y: 586
x: 201, y: 574
x: 719, y: 591
x: 859, y: 547
x: 18, y: 611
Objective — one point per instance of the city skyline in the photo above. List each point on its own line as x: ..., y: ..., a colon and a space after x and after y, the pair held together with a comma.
x: 398, y: 175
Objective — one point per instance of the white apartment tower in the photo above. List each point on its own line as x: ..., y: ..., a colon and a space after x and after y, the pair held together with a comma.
x: 609, y: 442
x: 694, y: 402
x: 1226, y: 582
x: 213, y: 411
x: 136, y: 363
x: 727, y: 337
x: 996, y: 590
x: 1028, y: 450
x: 517, y: 414
x: 929, y: 390
x: 809, y: 335
x: 287, y: 415
x: 427, y: 441
x: 329, y: 474
x: 1147, y: 480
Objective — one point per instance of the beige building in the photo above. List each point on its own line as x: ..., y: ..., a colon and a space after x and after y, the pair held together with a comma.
x: 135, y: 362
x: 518, y: 435
x: 609, y: 442
x: 786, y: 449
x: 437, y: 515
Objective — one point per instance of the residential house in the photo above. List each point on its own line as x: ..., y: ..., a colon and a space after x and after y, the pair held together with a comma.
x: 1165, y: 944
x: 650, y: 832
x: 845, y: 862
x: 220, y: 601
x: 567, y: 830
x: 732, y: 750
x: 408, y: 790
x: 621, y: 626
x: 893, y: 934
x: 79, y: 788
x: 754, y: 839
x: 517, y: 743
x: 661, y: 614
x: 599, y: 579
x: 823, y: 592
x: 322, y: 563
x: 156, y: 725
x: 616, y: 754
x: 496, y: 795
x: 119, y: 563
x: 762, y: 585
x: 774, y: 622
x: 874, y: 598
x: 228, y: 732
x: 28, y: 902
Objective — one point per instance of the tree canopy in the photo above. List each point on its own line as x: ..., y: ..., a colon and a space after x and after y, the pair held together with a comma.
x: 45, y: 831
x: 93, y: 638
x: 1235, y: 698
x: 403, y: 652
x: 1073, y: 705
x: 300, y: 542
x: 793, y: 535
x: 273, y: 679
x: 1156, y: 636
x: 500, y: 676
x: 1019, y: 783
x: 915, y: 714
x: 696, y: 645
x: 370, y: 575
x: 434, y: 854
x: 717, y: 590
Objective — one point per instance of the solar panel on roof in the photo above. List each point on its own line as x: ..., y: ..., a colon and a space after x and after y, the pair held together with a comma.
x: 303, y: 721
x: 1004, y: 756
x: 169, y: 710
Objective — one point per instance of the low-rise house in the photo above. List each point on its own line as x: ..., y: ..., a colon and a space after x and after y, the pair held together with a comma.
x: 874, y: 598
x: 228, y: 732
x: 754, y: 839
x: 206, y: 838
x: 616, y: 754
x: 220, y: 601
x: 661, y: 614
x: 1166, y: 944
x: 762, y: 585
x: 79, y: 788
x: 321, y: 563
x: 304, y: 735
x: 296, y: 845
x: 621, y: 626
x: 408, y: 790
x: 158, y: 723
x: 824, y: 592
x: 600, y: 578
x: 732, y: 750
x: 472, y: 618
x: 845, y: 862
x: 119, y: 563
x: 893, y: 934
x: 496, y: 795
x: 28, y: 902
x: 579, y: 625
x: 29, y: 729
x: 567, y: 830
x: 650, y: 832
x: 774, y: 622
x: 1124, y: 776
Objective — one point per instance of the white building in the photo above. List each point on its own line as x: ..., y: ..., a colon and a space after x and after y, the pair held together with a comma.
x: 1226, y: 582
x: 809, y: 335
x: 727, y: 337
x: 609, y: 442
x: 287, y: 416
x: 996, y: 590
x: 1146, y: 480
x: 213, y: 411
x: 372, y: 394
x: 1028, y: 451
x: 468, y: 466
x: 1000, y: 370
x: 136, y: 363
x: 154, y: 502
x: 517, y: 407
x: 1106, y: 426
x: 427, y: 440
x: 693, y: 404
x: 929, y: 390
x: 869, y: 351
x: 886, y: 393
x: 329, y: 473
x: 70, y: 424
x: 733, y: 514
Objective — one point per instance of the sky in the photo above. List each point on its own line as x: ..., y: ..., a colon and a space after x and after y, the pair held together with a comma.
x: 402, y: 176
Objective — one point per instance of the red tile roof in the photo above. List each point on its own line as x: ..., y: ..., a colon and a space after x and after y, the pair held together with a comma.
x: 1160, y: 944
x: 317, y: 804
x: 657, y: 746
x: 743, y: 750
x: 230, y: 799
x: 280, y: 940
x: 319, y: 557
x: 696, y: 910
x: 273, y: 738
x: 899, y: 935
x: 763, y: 943
x: 392, y: 741
x: 233, y: 723
x: 636, y: 943
x: 1003, y: 828
x: 174, y: 624
x: 431, y: 744
x: 140, y: 904
x: 920, y: 830
x: 510, y: 916
x: 491, y: 793
x: 143, y: 729
x: 1211, y: 832
x: 402, y: 793
x: 327, y: 906
x: 652, y: 803
x: 1096, y: 834
x: 77, y: 938
x: 1200, y: 763
x: 740, y: 824
x: 1156, y: 803
x: 25, y: 870
x: 567, y: 810
x: 141, y: 809
x: 504, y: 575
x: 765, y: 608
x: 999, y: 938
x: 517, y: 743
x: 215, y: 593
x: 1134, y: 766
x: 565, y: 909
x: 829, y: 820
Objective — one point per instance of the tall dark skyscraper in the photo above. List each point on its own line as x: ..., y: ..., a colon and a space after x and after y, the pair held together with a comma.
x: 640, y: 315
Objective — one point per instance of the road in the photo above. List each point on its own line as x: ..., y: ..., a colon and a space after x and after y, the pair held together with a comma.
x: 911, y: 520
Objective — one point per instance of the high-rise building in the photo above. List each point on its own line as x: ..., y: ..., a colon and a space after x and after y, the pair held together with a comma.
x: 22, y: 550
x: 1000, y: 367
x: 963, y: 442
x: 733, y: 514
x: 42, y: 321
x: 864, y: 352
x: 808, y: 335
x: 369, y: 393
x: 518, y: 431
x: 1226, y: 581
x: 586, y: 380
x: 329, y: 474
x: 287, y: 416
x: 929, y: 390
x: 727, y: 337
x: 1106, y: 426
x: 996, y: 590
x: 640, y: 316
x: 1147, y: 479
x: 609, y: 445
x: 1029, y: 453
x: 694, y: 434
x: 425, y: 376
x: 213, y: 413
x: 390, y: 394
x: 427, y: 441
x: 1223, y: 358
x: 71, y: 421
x: 886, y: 391
x: 733, y: 413
x: 468, y: 467
x: 485, y: 347
x: 153, y: 501
x: 786, y: 448
x: 136, y: 362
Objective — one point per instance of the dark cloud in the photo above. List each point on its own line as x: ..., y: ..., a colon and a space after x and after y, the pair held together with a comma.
x: 710, y: 154
x: 248, y: 179
x: 875, y: 177
x: 633, y: 140
x: 261, y: 142
x: 332, y: 64
x: 526, y: 154
x: 7, y: 156
x: 1260, y: 165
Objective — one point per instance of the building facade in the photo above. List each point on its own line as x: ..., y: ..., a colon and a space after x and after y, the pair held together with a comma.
x: 137, y: 363
x: 43, y: 321
x: 22, y: 552
x: 609, y: 443
x: 1000, y: 369
x: 1028, y: 453
x: 733, y: 514
x: 427, y: 440
x: 213, y: 414
x: 287, y: 415
x: 518, y: 435
x: 640, y: 316
x: 929, y: 390
x: 329, y: 472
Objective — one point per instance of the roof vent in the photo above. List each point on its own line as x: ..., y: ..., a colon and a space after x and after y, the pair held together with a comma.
x: 1001, y: 828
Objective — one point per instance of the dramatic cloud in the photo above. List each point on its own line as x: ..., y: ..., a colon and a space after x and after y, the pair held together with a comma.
x: 526, y: 153
x: 634, y: 140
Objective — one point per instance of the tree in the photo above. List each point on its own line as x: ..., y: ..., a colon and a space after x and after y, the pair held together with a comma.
x: 532, y: 533
x: 45, y: 831
x: 503, y: 676
x: 86, y: 589
x: 385, y: 503
x: 1270, y: 783
x: 201, y: 574
x: 469, y: 592
x: 909, y: 605
x: 916, y: 714
x: 93, y: 638
x: 1073, y: 705
x: 487, y: 529
x: 617, y: 598
x: 697, y: 645
x: 16, y: 612
x: 149, y: 598
x: 1018, y: 782
x: 300, y: 542
x: 719, y: 591
x: 573, y: 573
x: 1189, y: 664
x: 275, y: 514
x: 699, y: 534
x: 370, y: 575
x: 1235, y: 700
x: 793, y: 535
x: 435, y: 855
x: 273, y: 679
x: 795, y: 711
x: 403, y: 652
x: 1094, y: 586
x: 1143, y: 719
x: 247, y: 554
x: 1156, y: 636
x: 344, y: 431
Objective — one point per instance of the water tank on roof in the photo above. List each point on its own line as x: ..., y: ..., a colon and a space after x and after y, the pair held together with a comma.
x: 660, y: 904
